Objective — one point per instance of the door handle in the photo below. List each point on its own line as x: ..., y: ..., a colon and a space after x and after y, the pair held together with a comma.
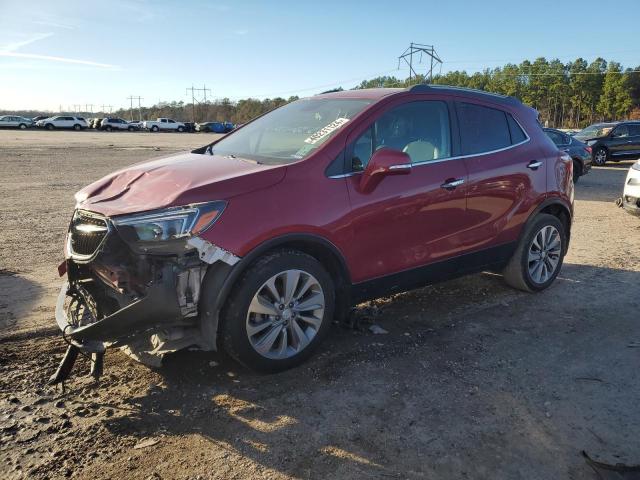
x: 452, y: 183
x: 534, y: 164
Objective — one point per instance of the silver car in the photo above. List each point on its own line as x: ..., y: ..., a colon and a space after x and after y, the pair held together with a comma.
x: 15, y: 122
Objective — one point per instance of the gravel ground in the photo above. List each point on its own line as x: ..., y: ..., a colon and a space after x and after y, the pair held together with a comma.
x: 472, y: 380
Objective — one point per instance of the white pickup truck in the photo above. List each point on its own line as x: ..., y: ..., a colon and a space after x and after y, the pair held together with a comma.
x: 163, y: 124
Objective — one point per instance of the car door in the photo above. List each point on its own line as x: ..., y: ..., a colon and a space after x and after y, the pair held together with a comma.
x: 633, y: 142
x: 67, y: 122
x: 410, y: 220
x: 507, y: 175
x: 619, y: 142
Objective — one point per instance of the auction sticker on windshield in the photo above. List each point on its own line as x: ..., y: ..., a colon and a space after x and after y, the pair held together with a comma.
x: 324, y: 131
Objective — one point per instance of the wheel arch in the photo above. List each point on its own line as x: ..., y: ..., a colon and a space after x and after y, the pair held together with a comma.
x: 221, y: 278
x: 556, y: 207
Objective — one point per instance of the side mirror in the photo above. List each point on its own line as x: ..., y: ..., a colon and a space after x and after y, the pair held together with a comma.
x: 383, y: 162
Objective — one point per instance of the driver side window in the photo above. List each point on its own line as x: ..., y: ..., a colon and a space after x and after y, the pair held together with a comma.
x: 420, y: 129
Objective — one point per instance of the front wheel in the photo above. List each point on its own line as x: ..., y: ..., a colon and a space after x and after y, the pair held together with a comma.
x: 22, y: 126
x: 538, y: 258
x: 181, y: 129
x: 600, y: 156
x: 279, y: 311
x: 76, y: 127
x: 49, y: 126
x: 131, y: 129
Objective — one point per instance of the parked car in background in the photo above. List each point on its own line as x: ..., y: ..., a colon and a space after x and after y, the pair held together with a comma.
x: 257, y: 241
x: 612, y: 141
x: 62, y: 121
x: 216, y: 127
x: 136, y: 124
x: 164, y: 124
x: 39, y: 117
x: 578, y: 151
x: 631, y: 193
x: 189, y: 127
x: 113, y: 123
x: 12, y: 121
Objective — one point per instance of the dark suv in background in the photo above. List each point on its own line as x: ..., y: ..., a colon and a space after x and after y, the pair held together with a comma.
x: 257, y: 241
x: 612, y: 141
x: 579, y: 152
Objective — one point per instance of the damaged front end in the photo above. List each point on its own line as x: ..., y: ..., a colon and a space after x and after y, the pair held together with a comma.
x: 135, y: 282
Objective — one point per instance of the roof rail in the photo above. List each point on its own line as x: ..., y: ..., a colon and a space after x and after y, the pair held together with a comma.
x: 424, y: 88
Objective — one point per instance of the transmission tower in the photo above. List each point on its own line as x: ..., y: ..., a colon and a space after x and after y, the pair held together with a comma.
x: 193, y: 91
x: 131, y: 98
x: 415, y: 49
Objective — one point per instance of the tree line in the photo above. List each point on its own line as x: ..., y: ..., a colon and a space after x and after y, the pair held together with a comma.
x: 573, y: 94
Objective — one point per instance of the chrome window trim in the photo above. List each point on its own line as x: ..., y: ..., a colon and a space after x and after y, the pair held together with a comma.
x: 458, y: 157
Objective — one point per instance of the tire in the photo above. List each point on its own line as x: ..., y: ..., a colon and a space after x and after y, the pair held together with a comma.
x: 77, y: 127
x: 131, y: 129
x: 154, y: 128
x: 108, y: 128
x: 577, y: 171
x: 600, y: 156
x: 22, y: 126
x: 181, y: 129
x: 293, y: 339
x: 49, y: 126
x: 518, y: 272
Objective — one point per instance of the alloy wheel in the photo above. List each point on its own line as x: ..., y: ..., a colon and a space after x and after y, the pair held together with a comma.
x: 285, y: 314
x: 600, y: 157
x: 544, y: 254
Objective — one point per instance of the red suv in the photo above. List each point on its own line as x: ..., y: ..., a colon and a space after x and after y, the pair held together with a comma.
x: 256, y: 242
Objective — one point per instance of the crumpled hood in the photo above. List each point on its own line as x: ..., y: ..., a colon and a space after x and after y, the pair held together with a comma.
x: 174, y: 181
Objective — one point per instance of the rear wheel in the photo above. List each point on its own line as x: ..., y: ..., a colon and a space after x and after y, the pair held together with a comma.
x: 577, y: 171
x: 131, y: 129
x: 279, y: 311
x: 154, y: 128
x: 538, y: 258
x: 600, y: 156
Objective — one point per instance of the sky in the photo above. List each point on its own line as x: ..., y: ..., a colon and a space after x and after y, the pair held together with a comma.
x: 69, y: 52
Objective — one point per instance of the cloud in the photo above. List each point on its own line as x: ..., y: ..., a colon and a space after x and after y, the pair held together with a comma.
x: 12, y: 47
x: 50, y: 58
x: 47, y: 23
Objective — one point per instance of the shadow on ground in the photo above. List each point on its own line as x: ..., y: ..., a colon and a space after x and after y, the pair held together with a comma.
x: 471, y: 370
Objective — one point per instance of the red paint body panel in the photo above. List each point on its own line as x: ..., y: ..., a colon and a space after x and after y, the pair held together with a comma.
x: 406, y: 221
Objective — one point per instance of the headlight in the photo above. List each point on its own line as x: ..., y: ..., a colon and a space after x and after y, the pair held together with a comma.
x: 636, y: 166
x: 591, y: 142
x: 169, y: 224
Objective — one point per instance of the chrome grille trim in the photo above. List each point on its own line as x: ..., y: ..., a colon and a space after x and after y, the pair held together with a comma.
x: 87, y: 233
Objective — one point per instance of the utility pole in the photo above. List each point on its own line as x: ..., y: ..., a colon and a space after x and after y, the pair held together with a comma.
x: 104, y: 108
x: 418, y: 48
x: 193, y: 90
x: 131, y: 98
x: 87, y: 106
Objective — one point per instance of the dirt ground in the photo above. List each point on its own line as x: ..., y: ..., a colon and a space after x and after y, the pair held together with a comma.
x: 473, y: 380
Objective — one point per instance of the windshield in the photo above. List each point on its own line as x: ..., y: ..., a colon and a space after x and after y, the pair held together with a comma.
x: 292, y: 132
x: 595, y: 131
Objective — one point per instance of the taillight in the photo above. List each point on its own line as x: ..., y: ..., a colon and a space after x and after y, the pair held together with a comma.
x: 588, y: 149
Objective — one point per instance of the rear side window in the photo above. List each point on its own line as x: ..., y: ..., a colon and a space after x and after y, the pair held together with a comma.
x: 517, y: 135
x: 634, y: 129
x: 482, y: 129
